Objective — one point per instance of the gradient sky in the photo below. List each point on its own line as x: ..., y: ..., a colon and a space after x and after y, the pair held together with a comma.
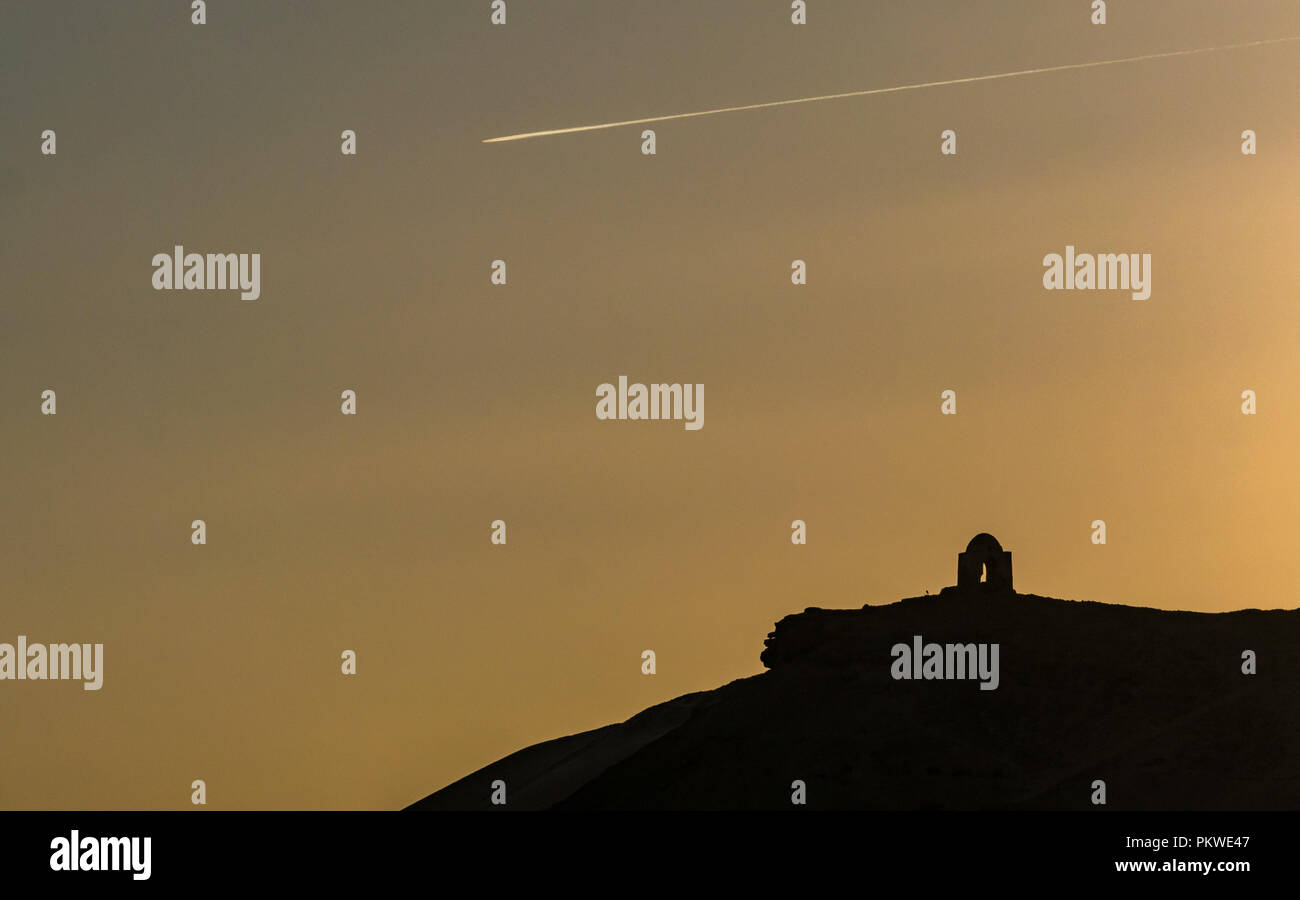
x: 477, y: 402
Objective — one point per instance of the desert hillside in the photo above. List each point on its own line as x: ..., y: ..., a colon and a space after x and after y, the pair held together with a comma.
x: 1153, y: 702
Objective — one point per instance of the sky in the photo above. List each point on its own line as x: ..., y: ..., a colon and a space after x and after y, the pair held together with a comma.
x: 476, y: 402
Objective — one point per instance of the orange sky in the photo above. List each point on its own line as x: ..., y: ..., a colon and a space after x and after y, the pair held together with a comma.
x: 477, y: 402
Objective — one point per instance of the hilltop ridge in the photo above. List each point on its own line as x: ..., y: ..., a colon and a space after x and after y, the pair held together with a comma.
x: 1156, y: 703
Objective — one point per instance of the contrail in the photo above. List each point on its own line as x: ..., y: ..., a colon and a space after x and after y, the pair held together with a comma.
x: 884, y: 90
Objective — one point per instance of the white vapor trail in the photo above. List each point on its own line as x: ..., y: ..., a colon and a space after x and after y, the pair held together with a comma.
x: 884, y: 90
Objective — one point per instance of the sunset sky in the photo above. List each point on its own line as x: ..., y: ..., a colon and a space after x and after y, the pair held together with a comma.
x: 476, y: 402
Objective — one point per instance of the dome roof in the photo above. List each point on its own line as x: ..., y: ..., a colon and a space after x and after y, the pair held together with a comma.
x: 984, y: 541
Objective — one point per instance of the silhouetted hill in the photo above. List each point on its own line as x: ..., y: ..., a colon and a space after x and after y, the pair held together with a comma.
x: 1153, y: 702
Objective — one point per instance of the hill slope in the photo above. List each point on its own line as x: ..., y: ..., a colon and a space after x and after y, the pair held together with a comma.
x: 1153, y: 702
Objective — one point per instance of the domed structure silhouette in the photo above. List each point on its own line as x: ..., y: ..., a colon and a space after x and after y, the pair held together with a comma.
x: 984, y: 565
